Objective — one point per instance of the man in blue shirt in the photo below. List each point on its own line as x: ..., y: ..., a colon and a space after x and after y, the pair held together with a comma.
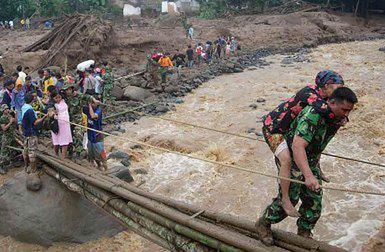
x: 30, y: 132
x: 95, y: 144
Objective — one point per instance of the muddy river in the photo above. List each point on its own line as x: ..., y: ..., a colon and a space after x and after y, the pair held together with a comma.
x: 348, y: 220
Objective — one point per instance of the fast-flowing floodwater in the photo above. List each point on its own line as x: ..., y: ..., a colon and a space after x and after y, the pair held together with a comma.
x: 348, y: 220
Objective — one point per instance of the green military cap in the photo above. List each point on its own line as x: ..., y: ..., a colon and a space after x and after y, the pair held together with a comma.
x: 67, y: 86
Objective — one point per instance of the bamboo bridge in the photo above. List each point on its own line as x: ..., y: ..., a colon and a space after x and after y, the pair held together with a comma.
x: 173, y: 225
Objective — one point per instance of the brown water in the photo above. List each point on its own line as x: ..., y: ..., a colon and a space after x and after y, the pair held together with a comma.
x: 348, y: 220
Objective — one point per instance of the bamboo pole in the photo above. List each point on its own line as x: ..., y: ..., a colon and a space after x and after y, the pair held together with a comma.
x: 284, y: 239
x: 146, y: 218
x: 226, y: 236
x: 126, y: 221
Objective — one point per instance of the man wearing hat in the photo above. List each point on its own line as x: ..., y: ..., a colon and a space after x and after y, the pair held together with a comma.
x: 8, y: 126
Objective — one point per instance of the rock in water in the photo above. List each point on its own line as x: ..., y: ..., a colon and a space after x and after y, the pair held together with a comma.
x: 122, y: 173
x: 118, y: 155
x: 53, y: 214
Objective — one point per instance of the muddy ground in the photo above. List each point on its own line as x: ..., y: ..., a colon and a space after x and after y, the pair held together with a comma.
x: 167, y: 34
x: 218, y: 104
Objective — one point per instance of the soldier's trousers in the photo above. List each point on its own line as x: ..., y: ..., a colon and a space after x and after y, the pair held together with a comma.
x: 6, y: 154
x: 310, y: 209
x: 77, y: 144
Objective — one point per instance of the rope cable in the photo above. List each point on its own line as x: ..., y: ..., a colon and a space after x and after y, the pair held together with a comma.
x: 236, y: 167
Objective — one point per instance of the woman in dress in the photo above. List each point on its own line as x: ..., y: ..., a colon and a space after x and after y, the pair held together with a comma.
x: 64, y: 137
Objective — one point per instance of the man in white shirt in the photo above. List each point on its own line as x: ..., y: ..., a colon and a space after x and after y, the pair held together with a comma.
x: 22, y: 75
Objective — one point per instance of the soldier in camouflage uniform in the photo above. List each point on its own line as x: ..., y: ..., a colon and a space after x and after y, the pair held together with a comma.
x: 108, y: 81
x: 8, y: 129
x: 307, y: 137
x: 75, y: 102
x: 152, y: 69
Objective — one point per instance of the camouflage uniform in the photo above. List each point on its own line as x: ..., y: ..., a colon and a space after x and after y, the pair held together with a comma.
x: 152, y: 70
x: 74, y: 109
x: 317, y: 131
x: 7, y: 138
x: 108, y: 83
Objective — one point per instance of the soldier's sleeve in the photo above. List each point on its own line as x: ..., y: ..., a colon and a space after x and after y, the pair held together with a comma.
x: 3, y: 120
x: 85, y: 98
x: 307, y: 124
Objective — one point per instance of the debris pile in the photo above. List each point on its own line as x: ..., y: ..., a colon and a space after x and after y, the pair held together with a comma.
x: 78, y: 37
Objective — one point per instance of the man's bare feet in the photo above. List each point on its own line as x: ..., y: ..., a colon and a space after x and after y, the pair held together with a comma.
x: 289, y: 208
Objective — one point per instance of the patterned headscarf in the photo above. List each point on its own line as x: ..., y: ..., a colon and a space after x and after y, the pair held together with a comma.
x: 328, y: 77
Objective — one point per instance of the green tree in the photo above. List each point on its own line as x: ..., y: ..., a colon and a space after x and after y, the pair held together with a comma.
x: 11, y: 9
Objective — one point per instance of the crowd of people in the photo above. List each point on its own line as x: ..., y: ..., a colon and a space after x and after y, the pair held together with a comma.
x: 162, y: 62
x: 24, y: 24
x: 34, y: 106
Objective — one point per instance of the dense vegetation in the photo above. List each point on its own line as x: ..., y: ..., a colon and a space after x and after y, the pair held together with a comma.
x: 25, y: 8
x: 217, y: 8
x: 11, y: 9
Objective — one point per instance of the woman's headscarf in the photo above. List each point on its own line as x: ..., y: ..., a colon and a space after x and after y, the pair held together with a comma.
x: 328, y: 77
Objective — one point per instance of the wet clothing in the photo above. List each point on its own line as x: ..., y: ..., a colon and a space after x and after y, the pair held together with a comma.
x: 279, y: 120
x: 317, y: 130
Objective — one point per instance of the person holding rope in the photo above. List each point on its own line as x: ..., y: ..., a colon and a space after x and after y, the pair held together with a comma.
x: 95, y: 145
x: 278, y: 122
x: 308, y: 136
x: 30, y: 123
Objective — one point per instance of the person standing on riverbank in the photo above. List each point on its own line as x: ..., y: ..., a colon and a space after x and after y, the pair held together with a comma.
x: 307, y: 137
x: 95, y: 145
x: 30, y: 132
x: 165, y: 63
